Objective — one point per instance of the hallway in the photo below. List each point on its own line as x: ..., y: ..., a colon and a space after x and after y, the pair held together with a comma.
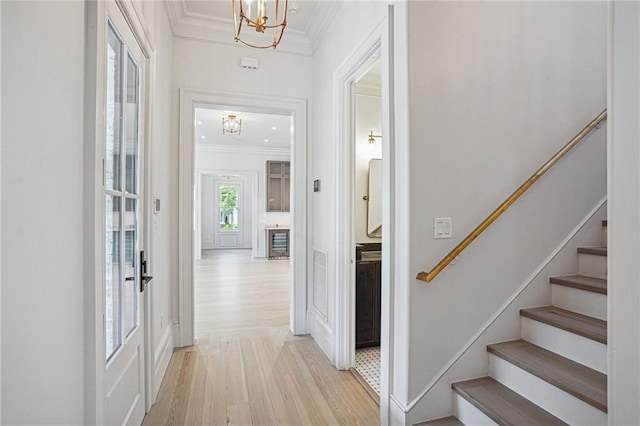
x: 247, y: 368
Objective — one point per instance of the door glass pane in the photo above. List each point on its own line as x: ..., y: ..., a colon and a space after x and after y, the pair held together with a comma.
x: 131, y: 119
x: 113, y: 111
x: 113, y: 277
x: 130, y: 292
x: 228, y: 201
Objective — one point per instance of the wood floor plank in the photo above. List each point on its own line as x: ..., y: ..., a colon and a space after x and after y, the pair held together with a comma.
x: 247, y: 368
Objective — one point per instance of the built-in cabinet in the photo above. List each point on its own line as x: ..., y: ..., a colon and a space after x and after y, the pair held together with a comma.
x: 278, y: 186
x: 368, y: 296
x: 277, y: 243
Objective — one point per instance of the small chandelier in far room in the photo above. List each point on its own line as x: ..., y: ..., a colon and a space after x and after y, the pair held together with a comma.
x: 231, y: 124
x: 254, y: 14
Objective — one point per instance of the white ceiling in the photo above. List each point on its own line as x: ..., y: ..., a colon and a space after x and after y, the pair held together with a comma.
x: 257, y: 129
x: 212, y: 20
x: 223, y: 9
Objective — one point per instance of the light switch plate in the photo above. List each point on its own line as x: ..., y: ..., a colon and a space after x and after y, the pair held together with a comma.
x: 442, y: 227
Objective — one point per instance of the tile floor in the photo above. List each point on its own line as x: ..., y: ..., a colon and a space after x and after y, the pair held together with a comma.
x: 368, y: 365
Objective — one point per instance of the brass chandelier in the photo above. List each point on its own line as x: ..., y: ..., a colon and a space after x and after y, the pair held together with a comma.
x: 231, y: 125
x: 254, y: 14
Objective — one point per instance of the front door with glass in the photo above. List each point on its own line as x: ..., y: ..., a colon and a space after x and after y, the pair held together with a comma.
x: 228, y: 204
x: 124, y: 358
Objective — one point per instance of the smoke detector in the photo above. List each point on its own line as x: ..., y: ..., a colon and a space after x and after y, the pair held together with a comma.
x: 294, y: 8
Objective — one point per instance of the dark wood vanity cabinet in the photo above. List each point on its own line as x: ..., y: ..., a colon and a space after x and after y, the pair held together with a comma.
x: 368, y: 293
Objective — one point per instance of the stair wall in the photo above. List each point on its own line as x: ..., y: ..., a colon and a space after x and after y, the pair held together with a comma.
x: 472, y: 361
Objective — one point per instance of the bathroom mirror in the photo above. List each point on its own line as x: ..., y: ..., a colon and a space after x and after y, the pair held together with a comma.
x: 374, y: 205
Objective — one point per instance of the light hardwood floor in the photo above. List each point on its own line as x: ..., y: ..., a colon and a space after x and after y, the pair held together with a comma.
x: 247, y: 368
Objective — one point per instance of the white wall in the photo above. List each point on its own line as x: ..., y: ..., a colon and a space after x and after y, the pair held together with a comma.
x: 42, y: 212
x: 164, y: 178
x: 349, y: 28
x: 247, y: 162
x: 624, y: 214
x: 495, y: 89
x: 216, y: 68
x: 368, y: 118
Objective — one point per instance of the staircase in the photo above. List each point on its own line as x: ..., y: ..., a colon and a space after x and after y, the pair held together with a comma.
x: 556, y: 373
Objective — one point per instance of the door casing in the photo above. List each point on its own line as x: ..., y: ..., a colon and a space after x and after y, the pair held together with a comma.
x: 297, y: 108
x: 97, y: 16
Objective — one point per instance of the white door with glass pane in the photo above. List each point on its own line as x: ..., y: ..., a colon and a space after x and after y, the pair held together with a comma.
x: 124, y: 358
x: 228, y: 214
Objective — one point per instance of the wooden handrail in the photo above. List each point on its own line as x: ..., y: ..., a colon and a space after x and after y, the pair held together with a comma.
x: 428, y: 276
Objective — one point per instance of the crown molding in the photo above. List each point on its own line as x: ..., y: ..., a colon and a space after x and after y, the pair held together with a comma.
x: 245, y: 150
x: 193, y: 26
x: 323, y: 15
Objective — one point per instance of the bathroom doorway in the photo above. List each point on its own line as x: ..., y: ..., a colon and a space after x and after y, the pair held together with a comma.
x: 367, y: 228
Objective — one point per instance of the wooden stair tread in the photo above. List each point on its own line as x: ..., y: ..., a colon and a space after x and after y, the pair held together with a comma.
x: 581, y: 282
x: 576, y: 379
x: 604, y: 222
x: 583, y: 325
x: 503, y: 405
x: 598, y: 251
x: 444, y: 421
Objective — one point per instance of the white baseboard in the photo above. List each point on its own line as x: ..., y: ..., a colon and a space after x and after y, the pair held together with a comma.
x: 322, y: 334
x: 162, y: 357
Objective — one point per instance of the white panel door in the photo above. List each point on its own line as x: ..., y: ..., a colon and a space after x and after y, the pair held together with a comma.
x: 124, y: 375
x: 228, y: 213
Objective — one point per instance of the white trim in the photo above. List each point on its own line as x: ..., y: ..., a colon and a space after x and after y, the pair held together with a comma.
x: 137, y: 24
x: 297, y: 108
x: 358, y: 63
x: 623, y: 179
x: 504, y: 307
x: 93, y: 169
x: 397, y: 230
x: 245, y: 150
x: 320, y: 331
x: 161, y: 359
x: 97, y: 16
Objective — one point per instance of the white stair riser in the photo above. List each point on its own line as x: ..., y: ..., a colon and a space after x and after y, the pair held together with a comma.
x: 592, y: 265
x: 552, y: 399
x: 577, y: 348
x: 468, y: 414
x: 580, y: 301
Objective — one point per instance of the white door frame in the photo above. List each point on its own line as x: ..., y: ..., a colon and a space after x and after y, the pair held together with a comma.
x: 253, y: 176
x: 297, y: 108
x: 375, y: 47
x: 97, y: 20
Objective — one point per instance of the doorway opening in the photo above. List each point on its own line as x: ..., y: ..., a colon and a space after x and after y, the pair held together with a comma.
x: 367, y: 227
x: 190, y: 240
x: 242, y: 197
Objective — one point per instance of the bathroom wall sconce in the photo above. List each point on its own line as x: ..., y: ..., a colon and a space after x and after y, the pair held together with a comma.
x: 372, y: 136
